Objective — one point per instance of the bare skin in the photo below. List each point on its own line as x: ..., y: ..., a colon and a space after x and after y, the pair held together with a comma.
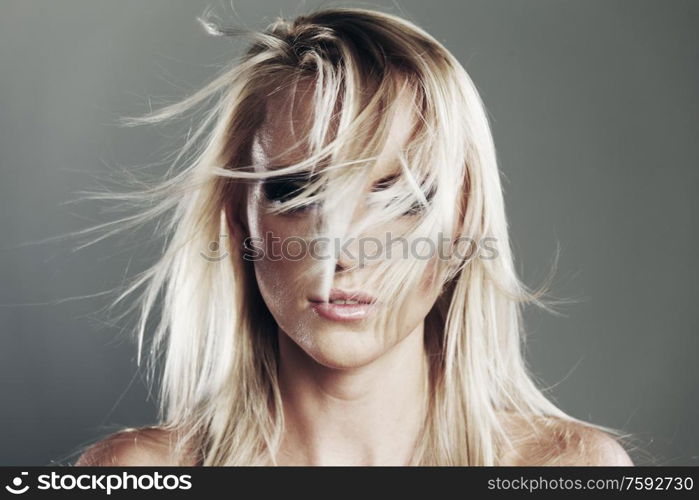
x: 146, y: 446
x: 151, y: 446
x: 350, y: 396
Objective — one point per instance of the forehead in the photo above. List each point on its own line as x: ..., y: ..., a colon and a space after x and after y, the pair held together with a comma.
x: 281, y: 139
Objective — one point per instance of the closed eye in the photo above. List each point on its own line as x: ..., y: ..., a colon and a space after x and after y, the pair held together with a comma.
x: 282, y: 189
x: 390, y: 180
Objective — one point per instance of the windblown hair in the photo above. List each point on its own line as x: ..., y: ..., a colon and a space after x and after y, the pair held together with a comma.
x: 215, y: 337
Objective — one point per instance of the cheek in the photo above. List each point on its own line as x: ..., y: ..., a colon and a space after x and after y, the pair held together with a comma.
x: 426, y: 294
x: 419, y: 302
x: 280, y: 275
x: 428, y: 276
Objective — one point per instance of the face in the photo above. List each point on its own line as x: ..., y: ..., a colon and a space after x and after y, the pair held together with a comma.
x: 289, y: 286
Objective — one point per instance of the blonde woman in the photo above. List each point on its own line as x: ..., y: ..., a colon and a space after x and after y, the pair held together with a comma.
x: 385, y: 328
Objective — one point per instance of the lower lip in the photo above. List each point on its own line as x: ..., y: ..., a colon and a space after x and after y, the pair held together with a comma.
x: 342, y: 312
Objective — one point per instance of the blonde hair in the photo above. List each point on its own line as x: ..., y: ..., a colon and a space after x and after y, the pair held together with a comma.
x: 216, y: 336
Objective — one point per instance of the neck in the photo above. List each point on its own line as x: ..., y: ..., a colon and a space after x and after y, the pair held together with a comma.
x: 367, y: 415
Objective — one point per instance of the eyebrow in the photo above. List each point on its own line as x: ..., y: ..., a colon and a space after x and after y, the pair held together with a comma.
x: 378, y: 185
x: 385, y: 182
x: 303, y: 176
x: 278, y: 166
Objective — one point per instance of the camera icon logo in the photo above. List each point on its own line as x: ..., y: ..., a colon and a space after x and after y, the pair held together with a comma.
x: 16, y: 488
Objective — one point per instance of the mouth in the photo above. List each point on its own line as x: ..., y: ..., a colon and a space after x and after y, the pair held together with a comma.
x: 344, y: 305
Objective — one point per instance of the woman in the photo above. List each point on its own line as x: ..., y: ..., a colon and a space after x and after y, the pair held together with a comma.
x: 299, y: 343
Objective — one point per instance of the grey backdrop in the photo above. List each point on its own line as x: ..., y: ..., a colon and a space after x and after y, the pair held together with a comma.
x: 596, y: 120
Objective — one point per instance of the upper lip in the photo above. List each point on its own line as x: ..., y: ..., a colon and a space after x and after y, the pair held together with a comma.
x: 339, y: 294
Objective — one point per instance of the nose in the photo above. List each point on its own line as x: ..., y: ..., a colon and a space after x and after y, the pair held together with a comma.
x: 347, y: 258
x: 360, y: 249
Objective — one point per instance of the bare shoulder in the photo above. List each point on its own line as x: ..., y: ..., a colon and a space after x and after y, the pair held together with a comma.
x: 557, y: 442
x: 145, y: 446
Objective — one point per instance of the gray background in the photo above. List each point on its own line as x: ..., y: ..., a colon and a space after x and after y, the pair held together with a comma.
x: 596, y: 119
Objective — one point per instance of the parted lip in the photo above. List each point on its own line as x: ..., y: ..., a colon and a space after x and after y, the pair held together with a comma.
x: 339, y: 294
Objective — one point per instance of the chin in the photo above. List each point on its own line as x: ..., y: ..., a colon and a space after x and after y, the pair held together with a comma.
x: 343, y: 350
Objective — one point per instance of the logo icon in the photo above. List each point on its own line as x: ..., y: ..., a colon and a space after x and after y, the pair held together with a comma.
x: 16, y: 483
